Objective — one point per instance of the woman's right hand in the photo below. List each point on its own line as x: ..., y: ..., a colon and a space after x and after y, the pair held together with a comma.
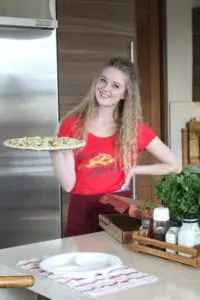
x: 64, y: 168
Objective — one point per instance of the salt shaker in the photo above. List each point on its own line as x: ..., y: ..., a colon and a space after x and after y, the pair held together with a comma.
x: 160, y: 222
x: 172, y: 234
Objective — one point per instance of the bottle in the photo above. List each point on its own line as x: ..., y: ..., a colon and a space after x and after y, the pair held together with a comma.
x: 145, y: 228
x: 189, y: 233
x: 172, y: 234
x: 160, y: 222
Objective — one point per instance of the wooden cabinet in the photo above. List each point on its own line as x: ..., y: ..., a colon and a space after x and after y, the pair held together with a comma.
x: 89, y: 32
x: 149, y: 40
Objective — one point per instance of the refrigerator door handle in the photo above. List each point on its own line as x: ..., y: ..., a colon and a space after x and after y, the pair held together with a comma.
x: 132, y: 51
x: 134, y: 192
x: 52, y: 9
x: 134, y: 184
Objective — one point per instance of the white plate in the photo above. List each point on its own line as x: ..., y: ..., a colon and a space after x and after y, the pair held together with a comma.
x: 80, y: 264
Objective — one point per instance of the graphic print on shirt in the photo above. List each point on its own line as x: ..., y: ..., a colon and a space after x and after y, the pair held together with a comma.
x: 97, y: 164
x: 100, y: 160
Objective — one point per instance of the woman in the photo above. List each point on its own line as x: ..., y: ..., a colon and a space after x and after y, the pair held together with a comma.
x: 109, y: 119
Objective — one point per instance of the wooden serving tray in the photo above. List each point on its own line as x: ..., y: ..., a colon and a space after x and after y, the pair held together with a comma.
x: 120, y: 226
x: 158, y: 248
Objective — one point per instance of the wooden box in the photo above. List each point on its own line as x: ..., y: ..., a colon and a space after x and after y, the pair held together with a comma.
x: 158, y: 248
x: 120, y: 226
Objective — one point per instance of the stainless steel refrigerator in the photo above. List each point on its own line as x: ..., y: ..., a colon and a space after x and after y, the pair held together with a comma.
x: 30, y: 208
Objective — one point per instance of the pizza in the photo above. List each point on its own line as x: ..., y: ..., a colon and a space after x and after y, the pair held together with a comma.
x: 44, y: 143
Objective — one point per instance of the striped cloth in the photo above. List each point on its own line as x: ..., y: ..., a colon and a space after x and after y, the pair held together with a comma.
x: 117, y: 279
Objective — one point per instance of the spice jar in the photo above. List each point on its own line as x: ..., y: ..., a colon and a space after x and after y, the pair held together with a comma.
x: 160, y: 222
x: 172, y: 234
x: 145, y: 228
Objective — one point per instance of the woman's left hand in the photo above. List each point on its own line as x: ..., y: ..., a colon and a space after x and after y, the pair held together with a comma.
x: 128, y: 179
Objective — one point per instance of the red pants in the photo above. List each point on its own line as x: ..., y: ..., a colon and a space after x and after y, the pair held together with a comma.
x: 84, y: 211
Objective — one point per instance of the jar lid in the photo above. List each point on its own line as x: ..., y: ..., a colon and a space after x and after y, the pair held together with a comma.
x: 161, y: 214
x: 146, y: 222
x: 190, y: 218
x: 175, y: 223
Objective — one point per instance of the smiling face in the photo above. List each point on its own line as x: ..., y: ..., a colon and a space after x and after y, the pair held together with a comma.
x: 110, y: 87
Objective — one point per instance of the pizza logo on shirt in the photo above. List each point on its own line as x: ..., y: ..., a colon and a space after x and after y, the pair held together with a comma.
x: 100, y: 160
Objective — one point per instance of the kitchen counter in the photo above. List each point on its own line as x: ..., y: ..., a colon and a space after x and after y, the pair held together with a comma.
x: 176, y: 281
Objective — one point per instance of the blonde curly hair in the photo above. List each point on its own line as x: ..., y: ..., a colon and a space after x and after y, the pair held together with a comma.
x: 127, y: 116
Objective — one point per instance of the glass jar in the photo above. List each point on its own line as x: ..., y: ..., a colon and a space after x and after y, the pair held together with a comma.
x: 189, y: 233
x: 160, y: 223
x: 145, y: 228
x: 172, y: 234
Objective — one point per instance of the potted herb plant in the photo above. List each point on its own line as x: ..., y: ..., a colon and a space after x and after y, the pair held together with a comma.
x: 180, y: 193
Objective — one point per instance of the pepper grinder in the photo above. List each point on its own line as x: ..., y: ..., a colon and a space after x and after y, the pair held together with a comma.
x: 160, y: 222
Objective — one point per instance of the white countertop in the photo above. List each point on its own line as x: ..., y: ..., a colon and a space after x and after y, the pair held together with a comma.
x: 176, y: 281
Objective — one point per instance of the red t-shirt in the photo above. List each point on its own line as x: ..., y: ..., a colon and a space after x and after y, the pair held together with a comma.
x: 97, y: 169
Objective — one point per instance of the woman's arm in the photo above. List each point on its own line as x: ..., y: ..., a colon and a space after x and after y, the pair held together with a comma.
x: 168, y: 162
x: 64, y: 168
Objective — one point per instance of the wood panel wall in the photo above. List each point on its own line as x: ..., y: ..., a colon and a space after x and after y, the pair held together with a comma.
x: 91, y: 31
